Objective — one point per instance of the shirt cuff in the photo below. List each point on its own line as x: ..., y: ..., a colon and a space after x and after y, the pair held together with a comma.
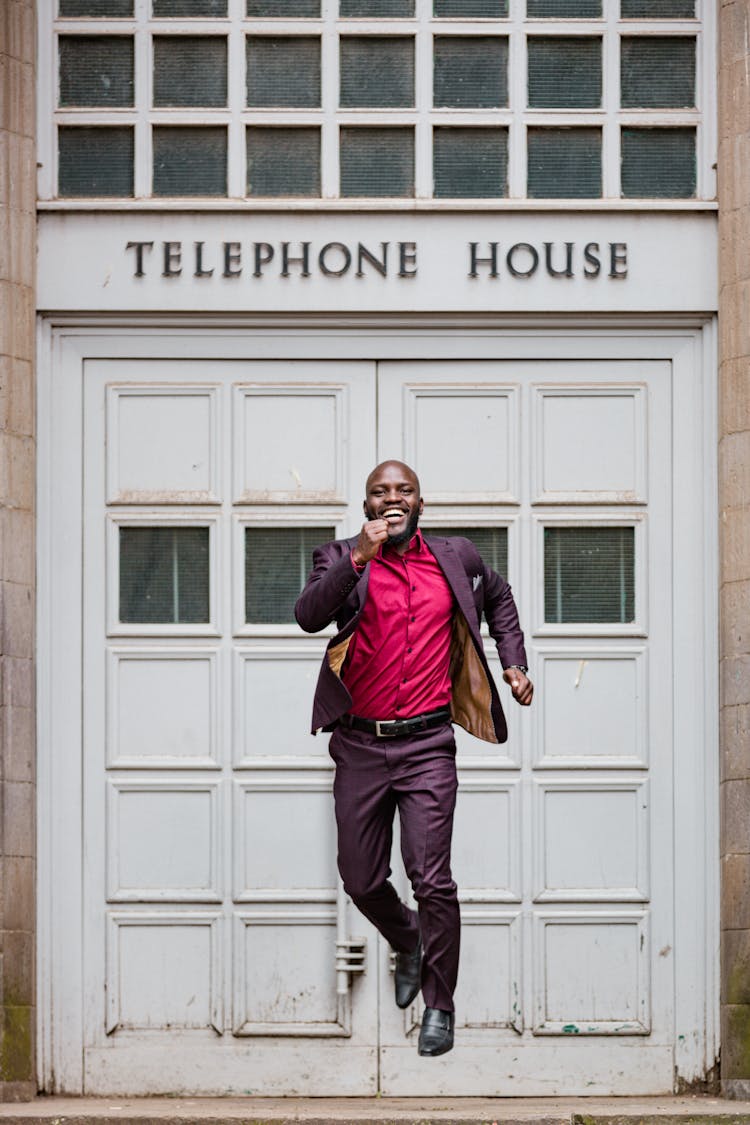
x: 357, y: 568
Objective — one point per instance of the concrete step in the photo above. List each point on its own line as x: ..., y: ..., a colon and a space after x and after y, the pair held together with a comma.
x: 688, y: 1110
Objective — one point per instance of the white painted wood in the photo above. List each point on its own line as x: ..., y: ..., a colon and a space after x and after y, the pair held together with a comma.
x: 163, y: 841
x: 591, y: 840
x: 584, y: 839
x: 590, y: 445
x: 162, y: 445
x: 592, y: 708
x: 592, y: 974
x: 162, y: 709
x: 487, y: 1059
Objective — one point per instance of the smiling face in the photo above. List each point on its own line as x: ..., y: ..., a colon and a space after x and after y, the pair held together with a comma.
x: 392, y: 494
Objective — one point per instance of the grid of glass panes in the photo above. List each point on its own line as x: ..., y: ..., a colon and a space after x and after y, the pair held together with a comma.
x: 450, y: 99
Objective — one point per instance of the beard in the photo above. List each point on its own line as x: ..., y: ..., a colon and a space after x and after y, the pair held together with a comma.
x: 398, y: 539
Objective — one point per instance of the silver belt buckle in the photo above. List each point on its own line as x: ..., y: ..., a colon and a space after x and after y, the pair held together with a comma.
x: 379, y: 724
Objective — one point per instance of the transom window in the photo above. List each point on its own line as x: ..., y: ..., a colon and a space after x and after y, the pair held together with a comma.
x: 447, y: 99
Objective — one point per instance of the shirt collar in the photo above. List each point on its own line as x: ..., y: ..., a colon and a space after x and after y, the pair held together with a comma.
x: 416, y: 544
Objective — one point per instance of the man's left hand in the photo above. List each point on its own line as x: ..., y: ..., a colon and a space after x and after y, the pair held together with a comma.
x: 520, y: 685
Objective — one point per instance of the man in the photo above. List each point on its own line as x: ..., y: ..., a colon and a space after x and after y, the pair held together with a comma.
x: 408, y: 659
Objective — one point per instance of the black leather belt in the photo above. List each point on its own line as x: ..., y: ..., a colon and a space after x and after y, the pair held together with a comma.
x: 394, y: 728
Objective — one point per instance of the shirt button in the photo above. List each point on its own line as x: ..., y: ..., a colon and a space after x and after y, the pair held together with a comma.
x: 414, y: 619
x: 414, y: 587
x: 408, y: 650
x: 404, y: 680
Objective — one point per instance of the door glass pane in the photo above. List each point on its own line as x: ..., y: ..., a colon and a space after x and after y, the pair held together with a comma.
x: 565, y: 72
x: 377, y: 72
x: 470, y: 71
x: 564, y: 9
x: 283, y: 9
x: 164, y: 575
x: 657, y: 72
x: 96, y: 70
x: 277, y: 563
x: 95, y: 160
x: 658, y: 163
x: 189, y: 9
x: 96, y: 9
x: 377, y: 162
x: 376, y: 9
x: 283, y: 161
x: 190, y: 70
x: 471, y: 9
x: 589, y: 574
x: 470, y: 163
x: 283, y: 70
x: 564, y: 163
x: 491, y: 542
x: 190, y: 161
x: 657, y: 9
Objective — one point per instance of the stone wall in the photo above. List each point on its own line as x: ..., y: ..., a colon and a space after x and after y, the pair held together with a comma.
x: 734, y: 507
x: 17, y: 465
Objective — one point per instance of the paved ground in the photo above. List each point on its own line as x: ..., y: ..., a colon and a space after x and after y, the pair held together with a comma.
x: 378, y: 1111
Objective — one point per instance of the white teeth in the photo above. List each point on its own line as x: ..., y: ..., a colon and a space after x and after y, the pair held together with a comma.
x: 393, y: 513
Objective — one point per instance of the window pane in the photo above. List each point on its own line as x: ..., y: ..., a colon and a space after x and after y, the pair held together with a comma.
x: 95, y: 160
x: 565, y: 72
x: 589, y: 574
x: 491, y: 542
x: 188, y: 9
x: 277, y: 563
x: 471, y: 9
x: 564, y: 163
x: 96, y: 70
x: 470, y: 71
x: 657, y: 73
x: 283, y: 161
x: 657, y: 9
x: 564, y: 9
x: 376, y: 9
x: 283, y: 71
x: 190, y: 161
x: 106, y: 9
x: 164, y: 575
x: 377, y: 72
x: 470, y: 163
x: 190, y: 70
x: 377, y: 162
x: 658, y: 162
x: 283, y: 9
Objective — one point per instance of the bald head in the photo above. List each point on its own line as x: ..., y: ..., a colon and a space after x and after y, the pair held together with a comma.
x: 392, y: 494
x: 390, y: 467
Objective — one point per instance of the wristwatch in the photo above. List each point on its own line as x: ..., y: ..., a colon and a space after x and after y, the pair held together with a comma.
x: 520, y: 667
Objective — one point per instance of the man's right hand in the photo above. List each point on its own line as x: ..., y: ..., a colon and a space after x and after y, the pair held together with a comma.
x: 371, y: 538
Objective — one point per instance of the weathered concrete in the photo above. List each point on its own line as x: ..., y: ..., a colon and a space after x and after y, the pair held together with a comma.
x: 734, y: 503
x: 378, y: 1111
x: 17, y: 475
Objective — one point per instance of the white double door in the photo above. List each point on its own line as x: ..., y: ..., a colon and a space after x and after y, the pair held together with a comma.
x: 219, y: 953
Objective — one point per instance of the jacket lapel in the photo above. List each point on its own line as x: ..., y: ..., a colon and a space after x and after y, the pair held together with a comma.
x: 453, y: 569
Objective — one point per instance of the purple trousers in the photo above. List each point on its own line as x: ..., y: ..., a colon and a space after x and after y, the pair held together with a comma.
x: 416, y: 775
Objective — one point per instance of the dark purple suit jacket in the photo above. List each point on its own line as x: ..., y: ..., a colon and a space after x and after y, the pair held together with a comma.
x: 335, y: 592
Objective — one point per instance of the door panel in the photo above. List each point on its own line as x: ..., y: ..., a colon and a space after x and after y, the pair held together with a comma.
x: 563, y: 909
x: 231, y: 959
x: 215, y: 918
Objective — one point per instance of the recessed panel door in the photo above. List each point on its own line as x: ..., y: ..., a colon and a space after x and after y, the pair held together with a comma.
x: 221, y: 955
x: 561, y: 474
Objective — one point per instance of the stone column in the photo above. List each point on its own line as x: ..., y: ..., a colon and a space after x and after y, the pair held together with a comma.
x: 734, y: 507
x: 17, y: 566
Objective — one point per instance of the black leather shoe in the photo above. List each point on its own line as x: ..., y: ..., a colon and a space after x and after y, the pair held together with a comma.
x: 408, y: 975
x: 436, y: 1033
